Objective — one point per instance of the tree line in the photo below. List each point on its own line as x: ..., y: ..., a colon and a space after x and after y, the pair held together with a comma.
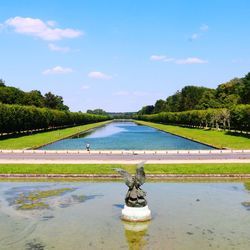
x: 17, y: 118
x: 12, y: 95
x: 226, y: 95
x: 236, y: 117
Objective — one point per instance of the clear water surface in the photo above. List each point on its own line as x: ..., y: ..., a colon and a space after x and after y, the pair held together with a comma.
x: 185, y: 216
x: 126, y: 136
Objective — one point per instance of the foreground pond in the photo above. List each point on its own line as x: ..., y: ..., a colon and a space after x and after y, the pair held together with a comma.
x: 85, y: 215
x: 126, y: 136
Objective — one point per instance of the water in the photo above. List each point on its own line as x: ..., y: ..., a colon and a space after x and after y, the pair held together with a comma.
x: 185, y: 216
x: 126, y: 136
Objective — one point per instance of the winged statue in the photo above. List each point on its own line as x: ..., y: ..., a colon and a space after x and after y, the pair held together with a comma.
x: 135, y: 196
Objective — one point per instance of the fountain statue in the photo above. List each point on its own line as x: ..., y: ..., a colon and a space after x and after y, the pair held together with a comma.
x: 136, y: 208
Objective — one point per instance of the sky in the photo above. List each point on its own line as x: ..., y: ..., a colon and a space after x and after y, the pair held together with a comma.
x: 122, y: 55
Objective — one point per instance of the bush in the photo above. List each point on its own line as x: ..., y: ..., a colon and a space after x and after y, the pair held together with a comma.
x: 237, y: 117
x: 16, y: 118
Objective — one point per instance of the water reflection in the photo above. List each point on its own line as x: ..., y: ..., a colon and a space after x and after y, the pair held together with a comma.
x: 125, y: 136
x: 247, y: 185
x: 186, y: 216
x: 135, y: 233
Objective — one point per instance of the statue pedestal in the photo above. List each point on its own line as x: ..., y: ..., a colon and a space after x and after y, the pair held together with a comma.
x: 136, y: 213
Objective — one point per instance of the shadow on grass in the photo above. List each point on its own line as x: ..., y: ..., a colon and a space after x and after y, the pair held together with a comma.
x: 17, y: 135
x: 238, y: 134
x: 33, y: 132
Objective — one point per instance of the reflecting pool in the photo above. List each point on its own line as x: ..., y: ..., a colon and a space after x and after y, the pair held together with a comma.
x: 85, y: 215
x: 126, y: 136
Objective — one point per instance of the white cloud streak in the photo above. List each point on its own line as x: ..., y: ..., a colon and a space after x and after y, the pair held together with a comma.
x: 57, y: 70
x: 56, y: 48
x: 189, y: 60
x: 99, y: 75
x: 194, y: 36
x: 162, y: 58
x: 37, y: 28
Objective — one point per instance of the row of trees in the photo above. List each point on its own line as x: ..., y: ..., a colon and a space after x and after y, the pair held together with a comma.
x: 16, y: 118
x: 97, y: 111
x: 235, y: 118
x: 12, y: 95
x: 226, y: 95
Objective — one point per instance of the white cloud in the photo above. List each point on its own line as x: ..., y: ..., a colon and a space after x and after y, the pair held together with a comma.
x: 162, y: 58
x: 99, y: 75
x: 37, y: 28
x: 190, y: 60
x: 54, y: 47
x: 57, y: 70
x: 51, y: 23
x: 85, y: 87
x: 194, y: 36
x: 157, y: 57
x: 204, y: 27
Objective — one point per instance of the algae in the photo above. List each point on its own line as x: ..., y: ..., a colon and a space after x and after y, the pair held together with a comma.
x: 246, y: 204
x: 37, y: 199
x: 247, y: 185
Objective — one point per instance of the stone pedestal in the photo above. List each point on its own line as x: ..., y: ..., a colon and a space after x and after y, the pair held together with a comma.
x: 136, y: 213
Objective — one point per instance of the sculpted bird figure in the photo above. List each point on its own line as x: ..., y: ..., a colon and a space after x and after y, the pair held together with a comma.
x: 135, y: 196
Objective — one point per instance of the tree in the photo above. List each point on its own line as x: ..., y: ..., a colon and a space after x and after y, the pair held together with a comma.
x: 173, y: 102
x: 11, y: 95
x: 54, y: 102
x: 208, y: 100
x: 159, y: 106
x: 2, y: 83
x: 146, y: 110
x: 245, y: 93
x: 190, y: 97
x: 228, y: 94
x: 97, y: 111
x: 34, y: 98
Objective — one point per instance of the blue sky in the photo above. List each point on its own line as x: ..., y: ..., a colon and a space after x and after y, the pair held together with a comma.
x: 122, y: 55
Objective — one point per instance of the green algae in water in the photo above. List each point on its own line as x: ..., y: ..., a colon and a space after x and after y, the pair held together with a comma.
x: 247, y: 185
x: 34, y: 199
x: 34, y: 245
x: 36, y: 205
x: 246, y: 204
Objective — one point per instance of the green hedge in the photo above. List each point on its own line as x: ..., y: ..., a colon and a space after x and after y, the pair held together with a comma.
x: 237, y: 118
x: 16, y: 118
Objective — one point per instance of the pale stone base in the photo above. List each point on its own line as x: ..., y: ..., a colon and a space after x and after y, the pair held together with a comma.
x: 136, y: 226
x: 136, y: 213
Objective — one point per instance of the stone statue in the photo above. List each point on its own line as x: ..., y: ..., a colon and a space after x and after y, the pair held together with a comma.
x: 135, y: 196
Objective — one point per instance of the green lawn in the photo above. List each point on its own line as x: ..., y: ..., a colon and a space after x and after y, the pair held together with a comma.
x: 39, y: 139
x: 231, y: 168
x: 218, y: 139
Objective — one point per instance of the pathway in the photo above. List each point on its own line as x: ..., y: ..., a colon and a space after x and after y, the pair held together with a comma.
x: 124, y: 157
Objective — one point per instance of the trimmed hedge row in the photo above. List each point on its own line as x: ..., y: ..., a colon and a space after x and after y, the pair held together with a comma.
x: 16, y: 118
x: 236, y: 118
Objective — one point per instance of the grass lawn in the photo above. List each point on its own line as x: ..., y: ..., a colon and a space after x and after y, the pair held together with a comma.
x: 218, y: 139
x: 39, y: 139
x: 231, y: 168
